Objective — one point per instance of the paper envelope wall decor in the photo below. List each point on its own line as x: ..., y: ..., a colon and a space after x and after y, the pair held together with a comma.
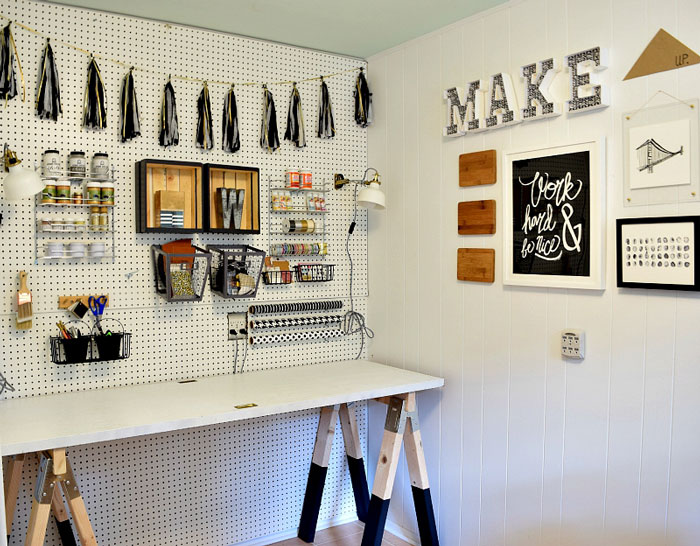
x: 663, y: 53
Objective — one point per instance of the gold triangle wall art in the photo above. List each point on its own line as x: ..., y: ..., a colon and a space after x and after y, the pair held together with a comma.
x: 663, y: 53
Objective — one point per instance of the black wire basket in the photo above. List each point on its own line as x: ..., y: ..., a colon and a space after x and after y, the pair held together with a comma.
x: 94, y: 347
x: 314, y: 272
x: 235, y: 270
x: 277, y: 277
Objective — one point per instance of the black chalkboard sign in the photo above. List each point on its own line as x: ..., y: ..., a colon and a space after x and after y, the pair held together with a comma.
x: 551, y: 200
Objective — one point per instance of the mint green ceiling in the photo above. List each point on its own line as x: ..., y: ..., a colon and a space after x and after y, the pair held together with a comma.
x: 351, y: 27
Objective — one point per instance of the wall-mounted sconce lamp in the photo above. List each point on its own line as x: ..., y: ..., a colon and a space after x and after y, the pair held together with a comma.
x: 20, y: 182
x: 370, y: 196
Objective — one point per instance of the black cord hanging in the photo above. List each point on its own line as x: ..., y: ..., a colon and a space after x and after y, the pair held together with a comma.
x: 94, y: 105
x: 131, y: 127
x: 295, y: 120
x: 8, y: 79
x: 169, y: 132
x: 363, y: 101
x: 231, y: 140
x: 205, y: 136
x: 48, y: 95
x: 269, y: 139
x: 326, y: 129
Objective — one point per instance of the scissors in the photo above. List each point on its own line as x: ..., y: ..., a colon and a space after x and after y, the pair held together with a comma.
x: 97, y: 306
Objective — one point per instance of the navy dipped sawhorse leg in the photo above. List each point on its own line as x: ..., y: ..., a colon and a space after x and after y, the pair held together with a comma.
x: 401, y: 425
x: 319, y: 467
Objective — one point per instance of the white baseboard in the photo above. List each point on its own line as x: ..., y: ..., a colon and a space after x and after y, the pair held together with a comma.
x: 402, y: 533
x: 291, y: 533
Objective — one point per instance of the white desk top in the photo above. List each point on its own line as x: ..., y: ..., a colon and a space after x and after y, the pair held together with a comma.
x: 69, y: 419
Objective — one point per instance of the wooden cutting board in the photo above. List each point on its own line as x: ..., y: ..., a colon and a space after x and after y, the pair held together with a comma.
x: 476, y: 217
x: 476, y: 264
x: 477, y: 168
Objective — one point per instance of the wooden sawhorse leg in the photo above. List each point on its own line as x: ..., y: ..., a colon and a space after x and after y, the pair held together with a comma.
x: 12, y: 483
x: 54, y: 469
x: 319, y: 467
x: 13, y: 479
x: 401, y: 425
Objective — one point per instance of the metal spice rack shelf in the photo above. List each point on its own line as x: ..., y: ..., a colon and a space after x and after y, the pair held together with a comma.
x: 277, y: 185
x: 93, y: 235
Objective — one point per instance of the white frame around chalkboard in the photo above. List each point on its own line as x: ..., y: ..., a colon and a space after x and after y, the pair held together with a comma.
x: 596, y: 279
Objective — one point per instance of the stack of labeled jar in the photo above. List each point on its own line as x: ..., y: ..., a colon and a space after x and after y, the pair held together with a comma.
x: 298, y: 179
x: 69, y: 187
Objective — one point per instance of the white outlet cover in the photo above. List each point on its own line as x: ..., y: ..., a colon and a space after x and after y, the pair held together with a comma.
x: 573, y: 343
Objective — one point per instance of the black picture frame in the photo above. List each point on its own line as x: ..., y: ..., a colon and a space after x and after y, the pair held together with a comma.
x: 621, y: 248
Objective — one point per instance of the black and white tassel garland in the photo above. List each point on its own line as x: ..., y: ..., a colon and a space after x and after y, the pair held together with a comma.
x: 326, y: 128
x: 94, y: 105
x: 295, y: 120
x: 131, y: 127
x: 269, y: 138
x: 205, y: 135
x: 169, y: 131
x: 231, y: 140
x: 48, y: 94
x: 8, y: 79
x: 363, y: 101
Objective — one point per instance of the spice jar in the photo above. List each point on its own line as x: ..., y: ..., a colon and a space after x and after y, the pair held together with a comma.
x: 103, y: 218
x: 94, y: 193
x: 48, y: 195
x: 95, y: 218
x: 76, y: 164
x: 63, y: 192
x: 99, y: 167
x: 107, y: 193
x: 51, y: 164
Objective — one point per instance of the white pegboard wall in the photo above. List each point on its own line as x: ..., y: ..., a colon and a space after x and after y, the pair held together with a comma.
x: 178, y: 340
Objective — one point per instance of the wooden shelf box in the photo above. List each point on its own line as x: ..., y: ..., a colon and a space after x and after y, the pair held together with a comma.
x: 169, y: 196
x: 239, y: 189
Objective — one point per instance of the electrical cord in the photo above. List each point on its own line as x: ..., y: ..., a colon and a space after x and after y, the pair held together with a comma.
x: 245, y: 353
x: 354, y: 322
x: 235, y: 358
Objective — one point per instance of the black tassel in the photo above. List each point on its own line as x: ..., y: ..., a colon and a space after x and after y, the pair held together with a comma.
x: 169, y: 132
x: 94, y: 105
x: 363, y: 101
x: 295, y: 120
x: 8, y: 79
x: 205, y: 136
x: 131, y: 127
x: 326, y: 129
x: 269, y: 138
x: 231, y: 138
x: 48, y: 95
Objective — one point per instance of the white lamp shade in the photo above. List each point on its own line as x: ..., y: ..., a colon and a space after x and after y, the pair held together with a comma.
x: 20, y: 183
x: 371, y: 197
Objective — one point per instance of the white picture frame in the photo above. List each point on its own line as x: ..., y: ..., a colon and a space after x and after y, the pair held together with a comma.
x: 542, y: 233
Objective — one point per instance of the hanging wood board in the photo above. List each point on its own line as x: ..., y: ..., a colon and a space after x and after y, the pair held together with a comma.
x: 663, y: 53
x: 476, y: 217
x: 476, y: 264
x: 477, y: 168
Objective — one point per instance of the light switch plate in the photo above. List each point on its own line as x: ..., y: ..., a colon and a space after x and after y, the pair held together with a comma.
x: 237, y: 326
x: 573, y: 343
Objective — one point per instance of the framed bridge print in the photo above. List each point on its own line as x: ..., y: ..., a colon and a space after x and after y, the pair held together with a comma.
x: 554, y: 203
x: 660, y: 154
x: 658, y: 252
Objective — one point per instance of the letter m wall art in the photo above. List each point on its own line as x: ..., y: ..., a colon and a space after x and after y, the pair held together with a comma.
x: 554, y: 210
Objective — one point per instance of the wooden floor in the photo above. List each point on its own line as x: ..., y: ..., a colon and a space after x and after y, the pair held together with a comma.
x: 349, y: 534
